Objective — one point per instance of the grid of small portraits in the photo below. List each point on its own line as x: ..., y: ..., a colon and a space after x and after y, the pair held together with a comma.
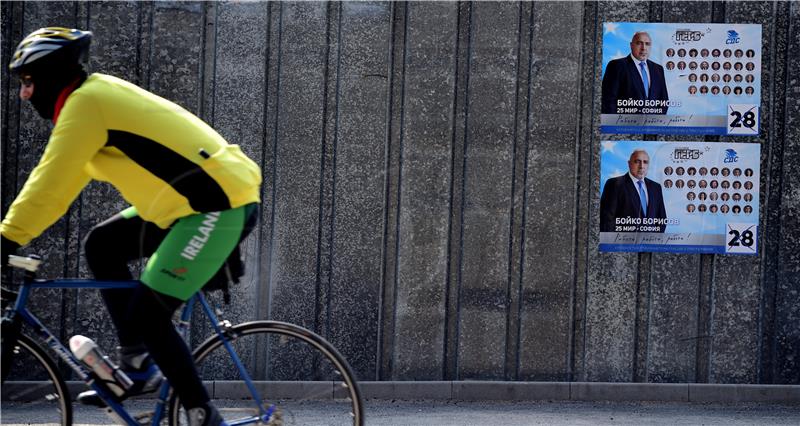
x: 715, y: 190
x: 716, y: 72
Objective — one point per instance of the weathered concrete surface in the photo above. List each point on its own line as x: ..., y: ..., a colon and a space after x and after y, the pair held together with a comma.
x: 427, y: 77
x: 546, y: 283
x: 785, y: 362
x: 431, y: 186
x: 488, y: 148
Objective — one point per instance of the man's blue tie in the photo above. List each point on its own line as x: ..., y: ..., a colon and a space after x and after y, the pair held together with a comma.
x: 642, y: 198
x: 644, y: 79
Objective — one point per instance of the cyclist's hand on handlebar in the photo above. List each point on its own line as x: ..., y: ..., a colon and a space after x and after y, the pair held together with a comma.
x: 7, y: 248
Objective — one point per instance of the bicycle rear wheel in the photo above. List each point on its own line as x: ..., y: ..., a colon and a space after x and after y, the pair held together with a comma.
x: 33, y: 384
x: 300, y: 378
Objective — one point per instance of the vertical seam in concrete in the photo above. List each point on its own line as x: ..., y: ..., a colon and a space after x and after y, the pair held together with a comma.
x: 588, y: 200
x: 460, y: 260
x: 643, y: 331
x: 763, y: 294
x: 636, y: 320
x: 569, y: 356
x: 641, y: 315
x: 213, y: 90
x: 15, y: 30
x: 201, y: 97
x: 401, y: 141
x: 275, y: 154
x: 138, y: 53
x: 320, y: 326
x: 711, y: 309
x: 700, y: 368
x: 785, y: 126
x: 263, y: 292
x: 335, y: 147
x: 448, y: 371
x: 5, y: 37
x: 524, y: 219
x: 656, y: 11
x: 387, y: 153
x: 151, y: 41
x: 264, y: 120
x: 513, y: 349
x: 766, y: 332
x: 721, y: 15
x: 207, y: 41
x: 88, y: 13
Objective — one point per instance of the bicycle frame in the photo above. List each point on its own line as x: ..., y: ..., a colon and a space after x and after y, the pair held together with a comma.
x: 115, y: 409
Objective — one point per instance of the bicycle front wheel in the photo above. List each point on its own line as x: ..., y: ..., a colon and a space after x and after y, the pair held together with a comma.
x: 295, y: 378
x: 32, y: 388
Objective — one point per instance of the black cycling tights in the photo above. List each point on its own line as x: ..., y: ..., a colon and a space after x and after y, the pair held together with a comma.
x: 140, y: 315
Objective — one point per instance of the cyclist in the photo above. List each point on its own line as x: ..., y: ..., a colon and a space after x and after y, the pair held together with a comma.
x: 193, y: 198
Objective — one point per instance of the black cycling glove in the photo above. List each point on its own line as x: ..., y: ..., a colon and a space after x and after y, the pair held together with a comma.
x: 7, y: 248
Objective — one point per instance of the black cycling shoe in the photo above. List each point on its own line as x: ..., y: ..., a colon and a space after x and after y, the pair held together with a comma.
x: 145, y: 380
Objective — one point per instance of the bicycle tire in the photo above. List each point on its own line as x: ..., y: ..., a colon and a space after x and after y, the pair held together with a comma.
x: 38, y: 386
x: 316, y: 372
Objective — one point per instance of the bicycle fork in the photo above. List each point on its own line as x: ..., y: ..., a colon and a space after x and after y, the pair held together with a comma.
x: 222, y: 329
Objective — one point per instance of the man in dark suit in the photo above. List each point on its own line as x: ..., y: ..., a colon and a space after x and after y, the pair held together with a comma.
x: 632, y: 195
x: 634, y: 77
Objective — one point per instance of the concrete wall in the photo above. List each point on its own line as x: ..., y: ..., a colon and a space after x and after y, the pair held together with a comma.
x: 432, y: 185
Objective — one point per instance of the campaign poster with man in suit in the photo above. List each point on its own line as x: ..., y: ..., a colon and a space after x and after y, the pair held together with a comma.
x: 681, y: 197
x: 664, y: 78
x: 634, y: 84
x: 633, y: 198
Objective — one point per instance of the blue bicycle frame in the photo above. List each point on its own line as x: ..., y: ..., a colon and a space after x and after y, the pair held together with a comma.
x: 114, y: 408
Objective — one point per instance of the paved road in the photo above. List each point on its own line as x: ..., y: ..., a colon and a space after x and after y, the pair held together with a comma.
x: 436, y: 413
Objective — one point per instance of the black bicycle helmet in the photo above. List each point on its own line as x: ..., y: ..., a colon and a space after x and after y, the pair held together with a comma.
x: 50, y: 46
x: 51, y: 57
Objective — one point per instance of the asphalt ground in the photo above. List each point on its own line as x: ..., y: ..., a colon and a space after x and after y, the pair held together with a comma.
x: 528, y: 413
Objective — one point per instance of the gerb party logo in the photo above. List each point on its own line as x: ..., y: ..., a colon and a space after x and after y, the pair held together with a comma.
x: 733, y: 37
x: 683, y: 154
x: 686, y: 36
x: 730, y: 156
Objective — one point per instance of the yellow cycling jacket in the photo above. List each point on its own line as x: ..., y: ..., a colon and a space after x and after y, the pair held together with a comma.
x: 164, y: 161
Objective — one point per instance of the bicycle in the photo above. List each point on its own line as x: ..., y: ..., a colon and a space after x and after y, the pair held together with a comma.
x: 293, y: 363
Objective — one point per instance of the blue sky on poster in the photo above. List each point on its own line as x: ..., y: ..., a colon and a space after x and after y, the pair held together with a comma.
x: 614, y: 157
x: 616, y: 44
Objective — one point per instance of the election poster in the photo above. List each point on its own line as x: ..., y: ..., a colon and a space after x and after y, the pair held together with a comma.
x: 692, y: 79
x: 682, y: 197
